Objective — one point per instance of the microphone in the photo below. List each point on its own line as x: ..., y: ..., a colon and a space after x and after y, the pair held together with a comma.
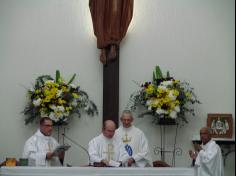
x: 78, y: 145
x: 193, y: 162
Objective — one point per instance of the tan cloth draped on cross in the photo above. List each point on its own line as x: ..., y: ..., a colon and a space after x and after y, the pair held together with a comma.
x: 111, y: 19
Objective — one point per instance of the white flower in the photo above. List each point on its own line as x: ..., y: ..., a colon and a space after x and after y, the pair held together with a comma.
x: 166, y: 83
x: 37, y: 102
x: 59, y: 92
x: 52, y: 116
x: 66, y: 114
x: 60, y: 108
x: 162, y: 87
x: 73, y: 86
x: 53, y: 107
x: 171, y: 95
x: 148, y: 102
x: 49, y: 81
x: 43, y: 114
x: 173, y: 114
x: 160, y: 111
x: 177, y: 108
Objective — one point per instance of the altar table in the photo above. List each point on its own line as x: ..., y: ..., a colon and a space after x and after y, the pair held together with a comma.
x: 94, y: 171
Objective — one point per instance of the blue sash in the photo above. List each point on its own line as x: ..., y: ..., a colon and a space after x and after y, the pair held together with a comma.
x: 129, y: 150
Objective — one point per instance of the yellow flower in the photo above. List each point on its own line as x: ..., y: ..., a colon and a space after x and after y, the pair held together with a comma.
x: 176, y: 92
x: 75, y: 95
x: 149, y: 89
x: 64, y: 89
x: 69, y: 108
x: 188, y: 94
x: 176, y: 81
x: 60, y: 101
x: 46, y: 92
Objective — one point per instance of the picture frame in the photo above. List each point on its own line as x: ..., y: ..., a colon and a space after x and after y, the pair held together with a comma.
x: 221, y: 125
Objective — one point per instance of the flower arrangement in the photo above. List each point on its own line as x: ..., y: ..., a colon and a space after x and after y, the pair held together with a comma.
x: 164, y: 97
x: 57, y: 99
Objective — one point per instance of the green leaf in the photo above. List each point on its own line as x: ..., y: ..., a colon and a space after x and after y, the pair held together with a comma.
x: 58, y: 76
x: 72, y: 79
x: 158, y: 73
x: 168, y: 74
x: 153, y: 77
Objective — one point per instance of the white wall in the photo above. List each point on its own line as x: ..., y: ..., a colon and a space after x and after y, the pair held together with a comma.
x: 193, y: 39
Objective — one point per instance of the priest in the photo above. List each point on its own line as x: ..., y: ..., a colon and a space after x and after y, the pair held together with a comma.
x: 39, y: 148
x: 207, y: 156
x: 135, y: 142
x: 106, y: 149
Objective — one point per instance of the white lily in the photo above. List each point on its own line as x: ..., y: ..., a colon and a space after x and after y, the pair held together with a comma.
x: 37, y: 102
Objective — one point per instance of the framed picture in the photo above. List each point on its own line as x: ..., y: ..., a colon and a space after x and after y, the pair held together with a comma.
x: 221, y: 125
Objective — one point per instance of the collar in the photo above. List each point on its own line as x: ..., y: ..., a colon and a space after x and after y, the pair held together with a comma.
x: 207, y: 144
x: 128, y: 129
x: 40, y: 134
x: 107, y: 139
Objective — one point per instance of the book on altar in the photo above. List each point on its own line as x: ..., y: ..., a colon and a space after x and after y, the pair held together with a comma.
x: 61, y: 148
x: 114, y: 163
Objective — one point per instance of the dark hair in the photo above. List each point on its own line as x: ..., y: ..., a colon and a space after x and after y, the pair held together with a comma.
x: 43, y: 119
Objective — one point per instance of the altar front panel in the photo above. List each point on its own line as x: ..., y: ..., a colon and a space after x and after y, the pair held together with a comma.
x: 92, y: 171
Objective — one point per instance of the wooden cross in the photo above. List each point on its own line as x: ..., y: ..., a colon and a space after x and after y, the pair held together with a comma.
x: 111, y: 91
x: 111, y: 19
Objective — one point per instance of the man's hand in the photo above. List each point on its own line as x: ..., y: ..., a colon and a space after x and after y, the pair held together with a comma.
x: 105, y: 162
x: 130, y: 162
x: 61, y: 155
x: 197, y: 147
x: 49, y: 155
x: 192, y: 154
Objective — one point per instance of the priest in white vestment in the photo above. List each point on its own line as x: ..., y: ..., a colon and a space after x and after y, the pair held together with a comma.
x: 207, y: 156
x: 136, y: 143
x: 107, y: 149
x: 39, y: 147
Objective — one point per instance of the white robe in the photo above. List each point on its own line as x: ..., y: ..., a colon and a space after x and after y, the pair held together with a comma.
x: 36, y: 148
x: 209, y: 160
x: 136, y: 139
x: 100, y: 146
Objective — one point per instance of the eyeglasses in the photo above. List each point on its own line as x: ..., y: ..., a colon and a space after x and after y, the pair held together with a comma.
x: 47, y: 125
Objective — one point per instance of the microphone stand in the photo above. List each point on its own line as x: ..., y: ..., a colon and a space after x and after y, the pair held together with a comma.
x: 77, y: 144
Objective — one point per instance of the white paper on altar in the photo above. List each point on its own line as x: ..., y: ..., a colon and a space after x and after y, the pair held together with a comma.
x: 92, y: 171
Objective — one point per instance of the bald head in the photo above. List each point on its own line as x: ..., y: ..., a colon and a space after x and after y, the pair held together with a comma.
x: 206, y: 129
x: 205, y: 134
x: 108, y: 124
x: 109, y: 128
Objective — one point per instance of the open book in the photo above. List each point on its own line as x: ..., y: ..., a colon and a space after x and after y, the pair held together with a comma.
x: 61, y: 148
x: 113, y: 163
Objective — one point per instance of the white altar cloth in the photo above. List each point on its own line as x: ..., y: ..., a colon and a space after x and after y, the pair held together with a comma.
x: 94, y: 171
